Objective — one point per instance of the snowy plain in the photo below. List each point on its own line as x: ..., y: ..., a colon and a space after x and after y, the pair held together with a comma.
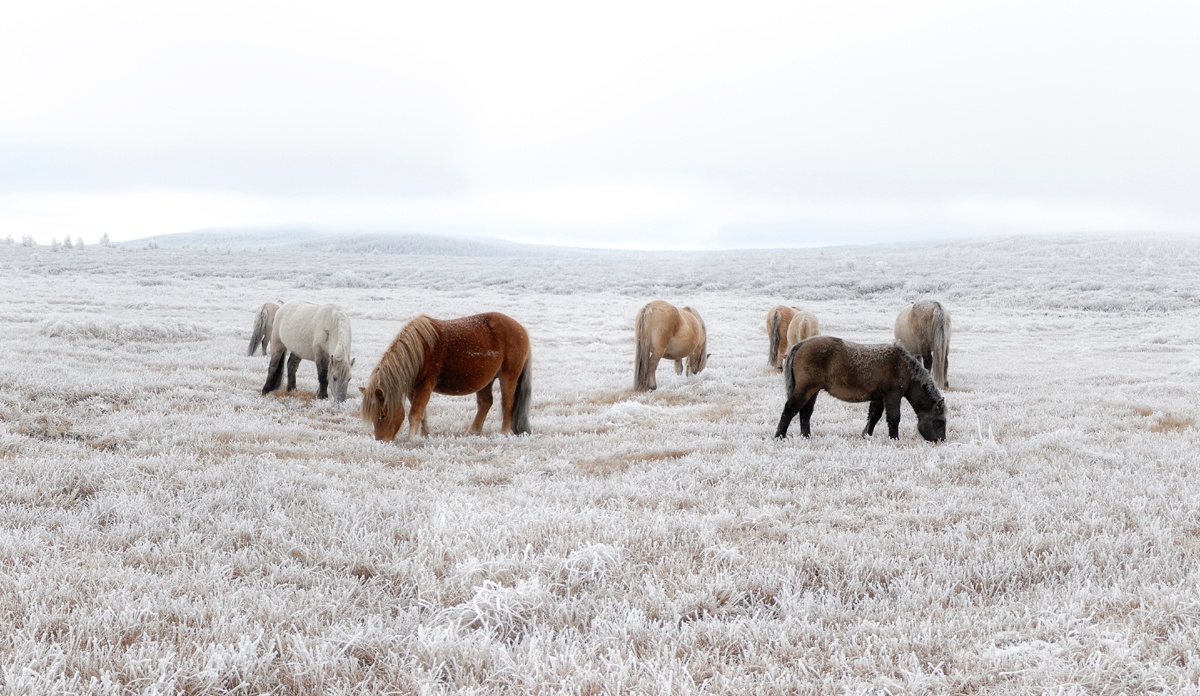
x: 166, y: 528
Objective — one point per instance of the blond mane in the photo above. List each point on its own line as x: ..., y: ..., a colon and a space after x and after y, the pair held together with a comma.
x: 399, y: 366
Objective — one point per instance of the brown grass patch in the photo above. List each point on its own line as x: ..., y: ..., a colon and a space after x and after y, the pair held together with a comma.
x: 299, y: 394
x: 677, y: 398
x: 601, y: 399
x: 719, y: 412
x: 604, y: 466
x: 1172, y: 423
x: 1167, y: 422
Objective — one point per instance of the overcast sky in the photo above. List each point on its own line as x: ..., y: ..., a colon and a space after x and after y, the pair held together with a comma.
x: 640, y: 125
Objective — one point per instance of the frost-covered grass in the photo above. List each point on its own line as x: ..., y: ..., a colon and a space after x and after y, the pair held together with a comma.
x: 164, y: 527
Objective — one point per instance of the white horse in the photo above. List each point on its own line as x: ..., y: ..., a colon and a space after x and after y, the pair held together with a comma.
x: 924, y: 330
x: 264, y: 318
x: 320, y: 333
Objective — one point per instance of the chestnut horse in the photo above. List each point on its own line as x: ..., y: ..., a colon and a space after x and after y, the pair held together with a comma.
x: 455, y: 357
x: 663, y: 331
x: 264, y: 318
x: 881, y: 374
x: 924, y: 330
x: 803, y: 325
x: 778, y: 320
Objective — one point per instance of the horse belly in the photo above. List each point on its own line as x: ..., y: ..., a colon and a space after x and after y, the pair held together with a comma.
x: 680, y: 346
x: 468, y: 372
x: 298, y: 341
x: 848, y: 393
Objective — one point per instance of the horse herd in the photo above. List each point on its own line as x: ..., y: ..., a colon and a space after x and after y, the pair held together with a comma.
x: 466, y: 356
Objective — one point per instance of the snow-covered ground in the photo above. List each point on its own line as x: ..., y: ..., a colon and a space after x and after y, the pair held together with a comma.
x: 164, y: 526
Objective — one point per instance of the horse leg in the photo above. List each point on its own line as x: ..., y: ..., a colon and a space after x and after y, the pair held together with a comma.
x: 653, y: 371
x: 795, y: 404
x: 293, y: 363
x: 893, y: 417
x: 785, y: 419
x: 322, y: 375
x: 679, y: 366
x: 274, y: 372
x: 806, y: 412
x: 873, y: 415
x: 483, y: 399
x: 416, y: 413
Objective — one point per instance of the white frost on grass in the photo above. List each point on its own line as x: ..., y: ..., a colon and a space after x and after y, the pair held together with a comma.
x: 164, y: 527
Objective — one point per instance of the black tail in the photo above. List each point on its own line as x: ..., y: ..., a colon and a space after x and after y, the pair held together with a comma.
x: 521, y: 398
x: 773, y: 356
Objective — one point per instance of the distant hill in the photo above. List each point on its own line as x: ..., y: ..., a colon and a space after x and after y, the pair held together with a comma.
x: 309, y: 239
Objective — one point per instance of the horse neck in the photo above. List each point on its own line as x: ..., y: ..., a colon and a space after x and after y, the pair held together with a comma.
x: 339, y: 338
x: 922, y: 393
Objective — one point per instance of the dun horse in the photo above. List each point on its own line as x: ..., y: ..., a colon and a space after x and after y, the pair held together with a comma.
x: 803, y: 325
x: 264, y: 318
x: 663, y: 331
x: 320, y: 333
x: 778, y: 320
x: 924, y: 330
x: 881, y: 374
x: 455, y: 357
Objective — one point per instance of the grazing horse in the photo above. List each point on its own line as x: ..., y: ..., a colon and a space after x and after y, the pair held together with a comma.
x: 320, y: 333
x: 778, y: 320
x: 456, y: 357
x: 881, y: 374
x: 924, y: 330
x: 663, y: 331
x: 803, y: 325
x: 264, y: 318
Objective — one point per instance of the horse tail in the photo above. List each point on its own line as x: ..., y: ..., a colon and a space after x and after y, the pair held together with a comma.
x: 773, y: 355
x: 789, y: 377
x: 941, y: 345
x: 641, y: 369
x: 522, y: 397
x: 260, y: 330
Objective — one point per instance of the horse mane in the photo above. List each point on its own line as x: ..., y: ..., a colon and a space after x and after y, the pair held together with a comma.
x: 919, y: 373
x: 398, y: 368
x: 339, y: 341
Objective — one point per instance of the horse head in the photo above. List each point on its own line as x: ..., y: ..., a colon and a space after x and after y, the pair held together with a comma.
x: 931, y: 423
x: 339, y: 377
x: 385, y: 417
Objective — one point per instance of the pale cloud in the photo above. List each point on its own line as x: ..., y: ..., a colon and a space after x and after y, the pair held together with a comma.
x: 640, y: 124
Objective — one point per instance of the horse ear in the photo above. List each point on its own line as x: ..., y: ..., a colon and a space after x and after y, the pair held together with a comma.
x: 352, y: 361
x: 362, y: 391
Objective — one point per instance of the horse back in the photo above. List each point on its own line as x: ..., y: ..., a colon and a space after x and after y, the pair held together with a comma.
x: 472, y: 351
x: 849, y: 371
x: 306, y: 329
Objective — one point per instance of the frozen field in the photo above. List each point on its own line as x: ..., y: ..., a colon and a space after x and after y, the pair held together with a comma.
x: 165, y: 527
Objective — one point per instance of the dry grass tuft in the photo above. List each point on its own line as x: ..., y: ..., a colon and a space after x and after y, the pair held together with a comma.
x: 1166, y: 422
x: 1172, y: 423
x: 605, y: 466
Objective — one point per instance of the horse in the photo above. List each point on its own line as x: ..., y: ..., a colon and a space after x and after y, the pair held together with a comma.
x: 778, y: 320
x: 320, y: 333
x: 881, y: 374
x: 455, y: 357
x: 663, y: 331
x: 803, y: 325
x: 924, y: 330
x: 264, y: 318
